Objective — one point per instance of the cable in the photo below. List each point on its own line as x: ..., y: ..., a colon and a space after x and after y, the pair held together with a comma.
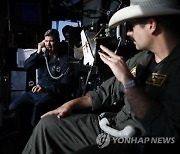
x: 118, y: 45
x: 58, y: 77
x: 87, y: 79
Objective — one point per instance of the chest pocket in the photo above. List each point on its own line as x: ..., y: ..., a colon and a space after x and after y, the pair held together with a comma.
x: 156, y: 79
x: 56, y: 69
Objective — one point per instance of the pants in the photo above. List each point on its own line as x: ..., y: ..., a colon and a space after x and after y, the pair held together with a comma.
x: 63, y: 136
x: 39, y: 102
x: 76, y: 134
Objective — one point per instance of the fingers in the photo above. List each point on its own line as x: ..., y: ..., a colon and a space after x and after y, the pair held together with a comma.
x: 59, y: 114
x: 36, y: 88
x: 48, y: 113
x: 42, y: 44
x: 107, y: 56
x: 108, y: 52
x: 104, y: 58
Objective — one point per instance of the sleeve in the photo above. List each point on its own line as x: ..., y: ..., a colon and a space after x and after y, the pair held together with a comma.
x: 108, y: 94
x: 111, y: 92
x: 33, y: 62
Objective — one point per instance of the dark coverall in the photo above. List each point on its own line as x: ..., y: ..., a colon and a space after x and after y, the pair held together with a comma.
x: 56, y: 89
x: 161, y: 81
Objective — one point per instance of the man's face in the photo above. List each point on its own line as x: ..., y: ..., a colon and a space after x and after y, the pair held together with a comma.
x: 140, y: 35
x: 50, y: 43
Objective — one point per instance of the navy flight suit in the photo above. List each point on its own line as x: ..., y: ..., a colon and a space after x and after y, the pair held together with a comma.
x: 56, y: 89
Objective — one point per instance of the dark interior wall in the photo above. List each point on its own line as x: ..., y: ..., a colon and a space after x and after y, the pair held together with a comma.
x: 3, y: 47
x: 20, y: 28
x: 27, y: 21
x: 11, y: 39
x: 3, y: 29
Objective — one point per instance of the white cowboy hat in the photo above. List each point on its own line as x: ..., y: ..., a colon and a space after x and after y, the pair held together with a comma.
x: 144, y: 8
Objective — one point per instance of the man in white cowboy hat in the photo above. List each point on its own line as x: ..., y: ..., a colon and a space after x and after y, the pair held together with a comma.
x: 149, y: 82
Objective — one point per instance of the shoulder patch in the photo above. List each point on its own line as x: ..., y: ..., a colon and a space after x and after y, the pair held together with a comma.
x: 133, y: 71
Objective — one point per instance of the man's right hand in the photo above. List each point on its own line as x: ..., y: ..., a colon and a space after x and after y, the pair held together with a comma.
x: 40, y: 46
x: 66, y: 109
x: 61, y: 111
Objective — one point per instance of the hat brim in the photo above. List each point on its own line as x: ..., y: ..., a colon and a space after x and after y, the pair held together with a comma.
x: 136, y: 11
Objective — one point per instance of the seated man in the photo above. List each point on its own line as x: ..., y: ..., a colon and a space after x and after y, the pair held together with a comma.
x: 54, y: 77
x: 149, y: 80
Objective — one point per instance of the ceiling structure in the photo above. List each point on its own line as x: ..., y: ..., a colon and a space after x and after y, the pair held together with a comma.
x: 76, y: 9
x: 65, y: 9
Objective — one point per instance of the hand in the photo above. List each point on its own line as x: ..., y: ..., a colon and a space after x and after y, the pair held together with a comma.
x: 38, y: 88
x: 60, y: 112
x: 116, y: 63
x: 40, y: 46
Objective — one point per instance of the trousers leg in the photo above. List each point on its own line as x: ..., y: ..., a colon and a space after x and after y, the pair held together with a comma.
x: 21, y: 100
x: 65, y: 135
x: 44, y: 104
